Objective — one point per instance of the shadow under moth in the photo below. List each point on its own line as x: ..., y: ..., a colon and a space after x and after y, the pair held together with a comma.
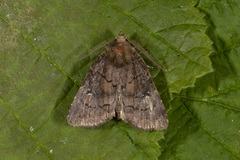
x: 119, y: 85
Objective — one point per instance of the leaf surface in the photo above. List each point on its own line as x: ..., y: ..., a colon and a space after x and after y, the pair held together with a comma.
x: 40, y: 43
x: 204, y: 120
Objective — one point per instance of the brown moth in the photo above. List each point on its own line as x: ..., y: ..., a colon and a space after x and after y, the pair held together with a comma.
x: 119, y: 85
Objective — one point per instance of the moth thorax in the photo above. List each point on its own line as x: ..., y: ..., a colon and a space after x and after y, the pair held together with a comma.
x: 122, y: 54
x: 119, y: 53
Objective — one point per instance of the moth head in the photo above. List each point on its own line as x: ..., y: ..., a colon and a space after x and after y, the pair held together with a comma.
x: 121, y: 33
x: 120, y: 38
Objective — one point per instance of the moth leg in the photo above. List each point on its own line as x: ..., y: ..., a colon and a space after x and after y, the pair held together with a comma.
x: 151, y: 67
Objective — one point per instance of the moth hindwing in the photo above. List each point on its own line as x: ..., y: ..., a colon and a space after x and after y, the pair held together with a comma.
x: 119, y: 85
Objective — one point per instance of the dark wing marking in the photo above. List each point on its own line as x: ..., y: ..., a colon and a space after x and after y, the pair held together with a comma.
x: 143, y: 107
x: 95, y: 101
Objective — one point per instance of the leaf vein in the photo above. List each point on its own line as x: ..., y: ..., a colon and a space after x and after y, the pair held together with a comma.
x: 151, y: 32
x: 165, y: 143
x: 36, y: 140
x: 39, y: 50
x: 210, y: 102
x: 216, y: 139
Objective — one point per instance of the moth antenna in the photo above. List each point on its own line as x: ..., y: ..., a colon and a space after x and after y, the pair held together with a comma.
x: 145, y: 52
x: 99, y: 46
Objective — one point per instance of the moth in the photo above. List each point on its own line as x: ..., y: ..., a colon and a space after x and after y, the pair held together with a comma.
x: 119, y: 85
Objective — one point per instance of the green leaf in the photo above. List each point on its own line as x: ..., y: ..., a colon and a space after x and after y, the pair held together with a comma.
x: 40, y: 43
x: 204, y: 120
